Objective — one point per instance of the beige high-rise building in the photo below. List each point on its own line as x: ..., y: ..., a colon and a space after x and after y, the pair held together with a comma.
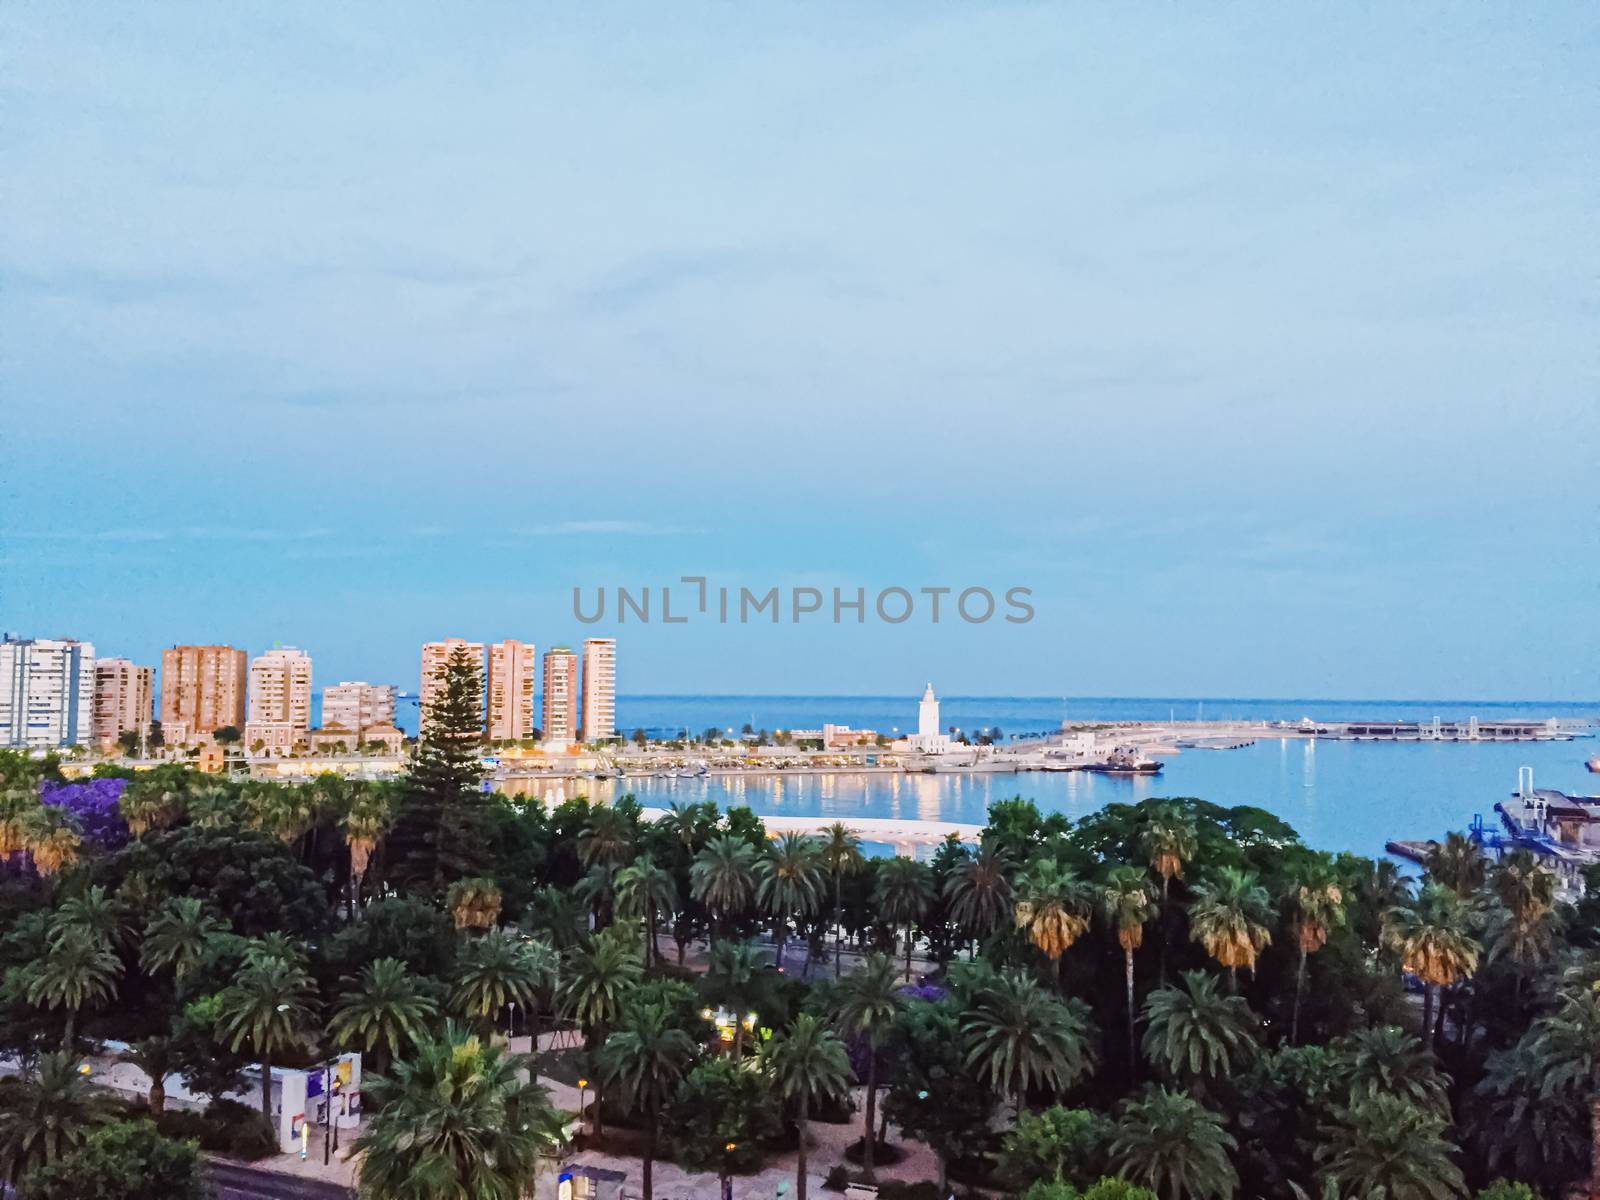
x: 599, y: 688
x: 279, y: 713
x: 513, y: 669
x: 357, y: 706
x: 123, y: 696
x: 202, y: 690
x: 560, y: 697
x: 434, y: 657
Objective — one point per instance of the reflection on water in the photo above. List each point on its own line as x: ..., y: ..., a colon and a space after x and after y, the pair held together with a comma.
x: 1337, y: 795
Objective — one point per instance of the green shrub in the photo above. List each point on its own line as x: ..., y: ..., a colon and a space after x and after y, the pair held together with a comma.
x: 1057, y: 1144
x: 126, y: 1161
x: 836, y: 1179
x: 242, y: 1130
x: 1504, y: 1189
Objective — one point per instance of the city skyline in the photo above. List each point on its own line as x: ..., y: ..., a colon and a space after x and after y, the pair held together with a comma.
x: 1259, y: 345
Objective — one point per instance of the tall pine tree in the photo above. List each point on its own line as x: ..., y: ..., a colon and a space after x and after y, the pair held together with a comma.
x: 441, y: 833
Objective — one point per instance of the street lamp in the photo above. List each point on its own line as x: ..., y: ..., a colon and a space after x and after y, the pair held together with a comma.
x: 583, y: 1087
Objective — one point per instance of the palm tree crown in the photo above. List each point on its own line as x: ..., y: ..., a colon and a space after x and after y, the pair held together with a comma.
x: 1170, y: 1143
x: 176, y: 936
x: 979, y: 891
x: 386, y: 1010
x: 723, y: 876
x: 1193, y: 1032
x: 1229, y: 917
x: 1384, y: 1142
x: 455, y: 1120
x: 1053, y: 905
x: 1018, y: 1035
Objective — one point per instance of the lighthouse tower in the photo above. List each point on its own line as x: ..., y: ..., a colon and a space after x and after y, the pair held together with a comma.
x: 929, y: 740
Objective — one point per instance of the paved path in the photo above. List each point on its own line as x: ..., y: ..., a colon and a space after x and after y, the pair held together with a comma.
x: 235, y: 1181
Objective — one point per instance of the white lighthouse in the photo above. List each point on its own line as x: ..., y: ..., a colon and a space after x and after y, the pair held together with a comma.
x: 929, y: 739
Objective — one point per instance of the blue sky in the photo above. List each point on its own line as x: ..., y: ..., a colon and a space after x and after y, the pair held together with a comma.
x: 1258, y: 340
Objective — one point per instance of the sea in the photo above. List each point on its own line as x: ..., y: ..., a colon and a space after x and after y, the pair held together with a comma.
x: 1338, y: 796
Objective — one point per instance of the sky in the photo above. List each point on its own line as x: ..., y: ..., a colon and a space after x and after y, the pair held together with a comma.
x: 1258, y: 341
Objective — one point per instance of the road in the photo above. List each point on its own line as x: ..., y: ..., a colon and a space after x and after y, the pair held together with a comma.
x: 235, y: 1182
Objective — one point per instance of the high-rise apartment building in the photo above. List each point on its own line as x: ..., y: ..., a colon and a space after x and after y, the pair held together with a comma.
x: 123, y: 699
x: 599, y: 688
x: 280, y: 698
x: 434, y: 657
x: 202, y: 691
x: 46, y: 693
x: 513, y: 669
x: 560, y: 697
x: 357, y: 706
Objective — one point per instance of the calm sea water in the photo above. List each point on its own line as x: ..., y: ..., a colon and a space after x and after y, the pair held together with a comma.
x: 1337, y: 795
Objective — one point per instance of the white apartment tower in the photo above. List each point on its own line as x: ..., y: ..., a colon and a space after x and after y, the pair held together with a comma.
x: 512, y: 682
x: 123, y: 696
x: 599, y: 688
x: 279, y: 713
x: 357, y: 706
x: 46, y: 693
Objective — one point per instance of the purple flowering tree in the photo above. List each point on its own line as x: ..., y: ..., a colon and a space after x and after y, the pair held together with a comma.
x: 92, y: 804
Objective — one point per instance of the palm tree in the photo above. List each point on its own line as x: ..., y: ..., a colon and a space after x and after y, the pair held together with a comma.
x: 55, y: 1110
x: 723, y: 876
x: 733, y: 976
x: 866, y: 1006
x: 15, y: 804
x: 367, y: 817
x: 1316, y: 905
x: 1194, y: 1033
x: 594, y: 990
x: 284, y: 812
x: 643, y: 891
x: 1229, y: 917
x: 78, y: 969
x: 383, y: 1012
x: 1566, y: 1047
x: 1128, y: 901
x: 212, y: 807
x: 607, y: 838
x: 493, y: 971
x: 1053, y: 905
x: 903, y: 895
x: 806, y: 1064
x: 1173, y: 1145
x: 1522, y: 930
x: 597, y: 890
x: 176, y: 936
x: 474, y: 902
x: 557, y: 917
x: 93, y: 911
x: 1386, y: 1142
x: 455, y: 1120
x: 268, y: 1005
x: 1434, y: 943
x: 647, y: 1057
x: 50, y: 837
x: 789, y: 883
x: 155, y: 1056
x: 1387, y: 1061
x: 154, y: 803
x: 1458, y: 863
x: 1019, y: 1035
x: 841, y: 856
x: 979, y: 892
x: 689, y: 825
x: 1171, y: 842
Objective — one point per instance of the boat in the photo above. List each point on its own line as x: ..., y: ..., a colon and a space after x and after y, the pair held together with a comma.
x: 1124, y: 761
